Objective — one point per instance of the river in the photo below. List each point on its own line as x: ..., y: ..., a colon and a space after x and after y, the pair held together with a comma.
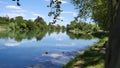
x: 50, y: 51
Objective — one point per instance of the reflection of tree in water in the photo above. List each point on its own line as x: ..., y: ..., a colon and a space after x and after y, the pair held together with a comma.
x: 79, y: 36
x: 88, y: 36
x: 40, y: 35
x: 20, y: 35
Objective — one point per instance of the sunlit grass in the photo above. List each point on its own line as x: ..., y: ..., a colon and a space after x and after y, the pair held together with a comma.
x: 92, y: 58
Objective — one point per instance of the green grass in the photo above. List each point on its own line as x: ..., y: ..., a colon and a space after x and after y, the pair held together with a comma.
x: 93, y: 57
x: 4, y: 27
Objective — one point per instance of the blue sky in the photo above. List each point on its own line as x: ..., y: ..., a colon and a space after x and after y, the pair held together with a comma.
x: 30, y: 9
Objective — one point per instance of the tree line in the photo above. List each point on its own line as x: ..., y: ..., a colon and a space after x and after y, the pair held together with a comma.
x: 19, y: 23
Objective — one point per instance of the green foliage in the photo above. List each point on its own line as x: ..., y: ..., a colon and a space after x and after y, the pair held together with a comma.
x: 82, y: 28
x: 19, y: 35
x: 40, y: 23
x: 4, y: 20
x: 55, y: 6
x: 96, y: 9
x: 84, y: 7
x: 100, y: 13
x: 19, y: 23
x: 93, y: 57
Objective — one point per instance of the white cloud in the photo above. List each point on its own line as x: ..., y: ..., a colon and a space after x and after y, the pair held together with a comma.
x: 36, y: 14
x: 74, y: 14
x: 13, y: 7
x: 63, y: 1
x: 32, y: 18
x: 68, y: 12
x: 61, y: 18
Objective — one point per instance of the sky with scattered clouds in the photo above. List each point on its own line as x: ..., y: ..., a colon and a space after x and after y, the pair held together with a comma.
x: 30, y: 9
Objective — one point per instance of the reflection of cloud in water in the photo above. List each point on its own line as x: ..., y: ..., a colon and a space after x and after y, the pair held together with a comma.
x: 58, y: 37
x: 63, y: 44
x: 56, y: 58
x: 13, y: 43
x: 58, y: 61
x: 55, y: 55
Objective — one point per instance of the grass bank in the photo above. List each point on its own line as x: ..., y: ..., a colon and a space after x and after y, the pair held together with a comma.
x: 4, y: 27
x: 91, y: 58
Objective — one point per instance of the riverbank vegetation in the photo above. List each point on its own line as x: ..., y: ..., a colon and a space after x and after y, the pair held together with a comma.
x: 23, y: 28
x: 75, y: 28
x: 19, y: 23
x: 93, y: 57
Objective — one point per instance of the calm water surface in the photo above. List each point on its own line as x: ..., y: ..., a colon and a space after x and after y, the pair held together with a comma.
x: 53, y: 51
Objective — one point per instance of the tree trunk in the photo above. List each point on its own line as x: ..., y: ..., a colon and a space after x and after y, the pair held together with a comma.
x: 113, y: 49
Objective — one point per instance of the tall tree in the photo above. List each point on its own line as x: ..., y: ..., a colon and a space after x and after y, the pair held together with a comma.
x: 113, y: 49
x: 40, y: 22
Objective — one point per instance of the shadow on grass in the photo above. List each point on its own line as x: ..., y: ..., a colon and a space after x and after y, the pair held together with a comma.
x: 93, y: 57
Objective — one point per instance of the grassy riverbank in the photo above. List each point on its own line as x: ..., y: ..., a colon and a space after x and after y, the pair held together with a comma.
x: 91, y: 58
x: 3, y: 28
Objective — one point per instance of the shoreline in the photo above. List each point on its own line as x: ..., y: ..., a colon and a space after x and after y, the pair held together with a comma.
x: 93, y: 57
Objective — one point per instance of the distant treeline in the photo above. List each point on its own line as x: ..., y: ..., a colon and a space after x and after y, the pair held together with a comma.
x: 19, y: 28
x: 18, y: 23
x: 21, y: 24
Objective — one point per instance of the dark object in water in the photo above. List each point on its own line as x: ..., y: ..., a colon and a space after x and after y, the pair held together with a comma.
x: 46, y: 52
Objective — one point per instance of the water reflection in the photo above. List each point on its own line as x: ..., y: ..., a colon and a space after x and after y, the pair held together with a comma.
x: 80, y: 36
x: 39, y: 35
x: 20, y: 35
x: 36, y: 49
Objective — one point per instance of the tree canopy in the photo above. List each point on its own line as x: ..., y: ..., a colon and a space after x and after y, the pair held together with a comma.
x: 97, y: 10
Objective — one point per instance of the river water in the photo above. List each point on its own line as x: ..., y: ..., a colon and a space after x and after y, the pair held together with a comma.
x: 51, y: 51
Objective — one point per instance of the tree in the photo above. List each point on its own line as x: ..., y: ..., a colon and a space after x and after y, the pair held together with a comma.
x: 100, y: 14
x: 113, y: 49
x: 40, y: 22
x: 21, y: 23
x: 31, y: 25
